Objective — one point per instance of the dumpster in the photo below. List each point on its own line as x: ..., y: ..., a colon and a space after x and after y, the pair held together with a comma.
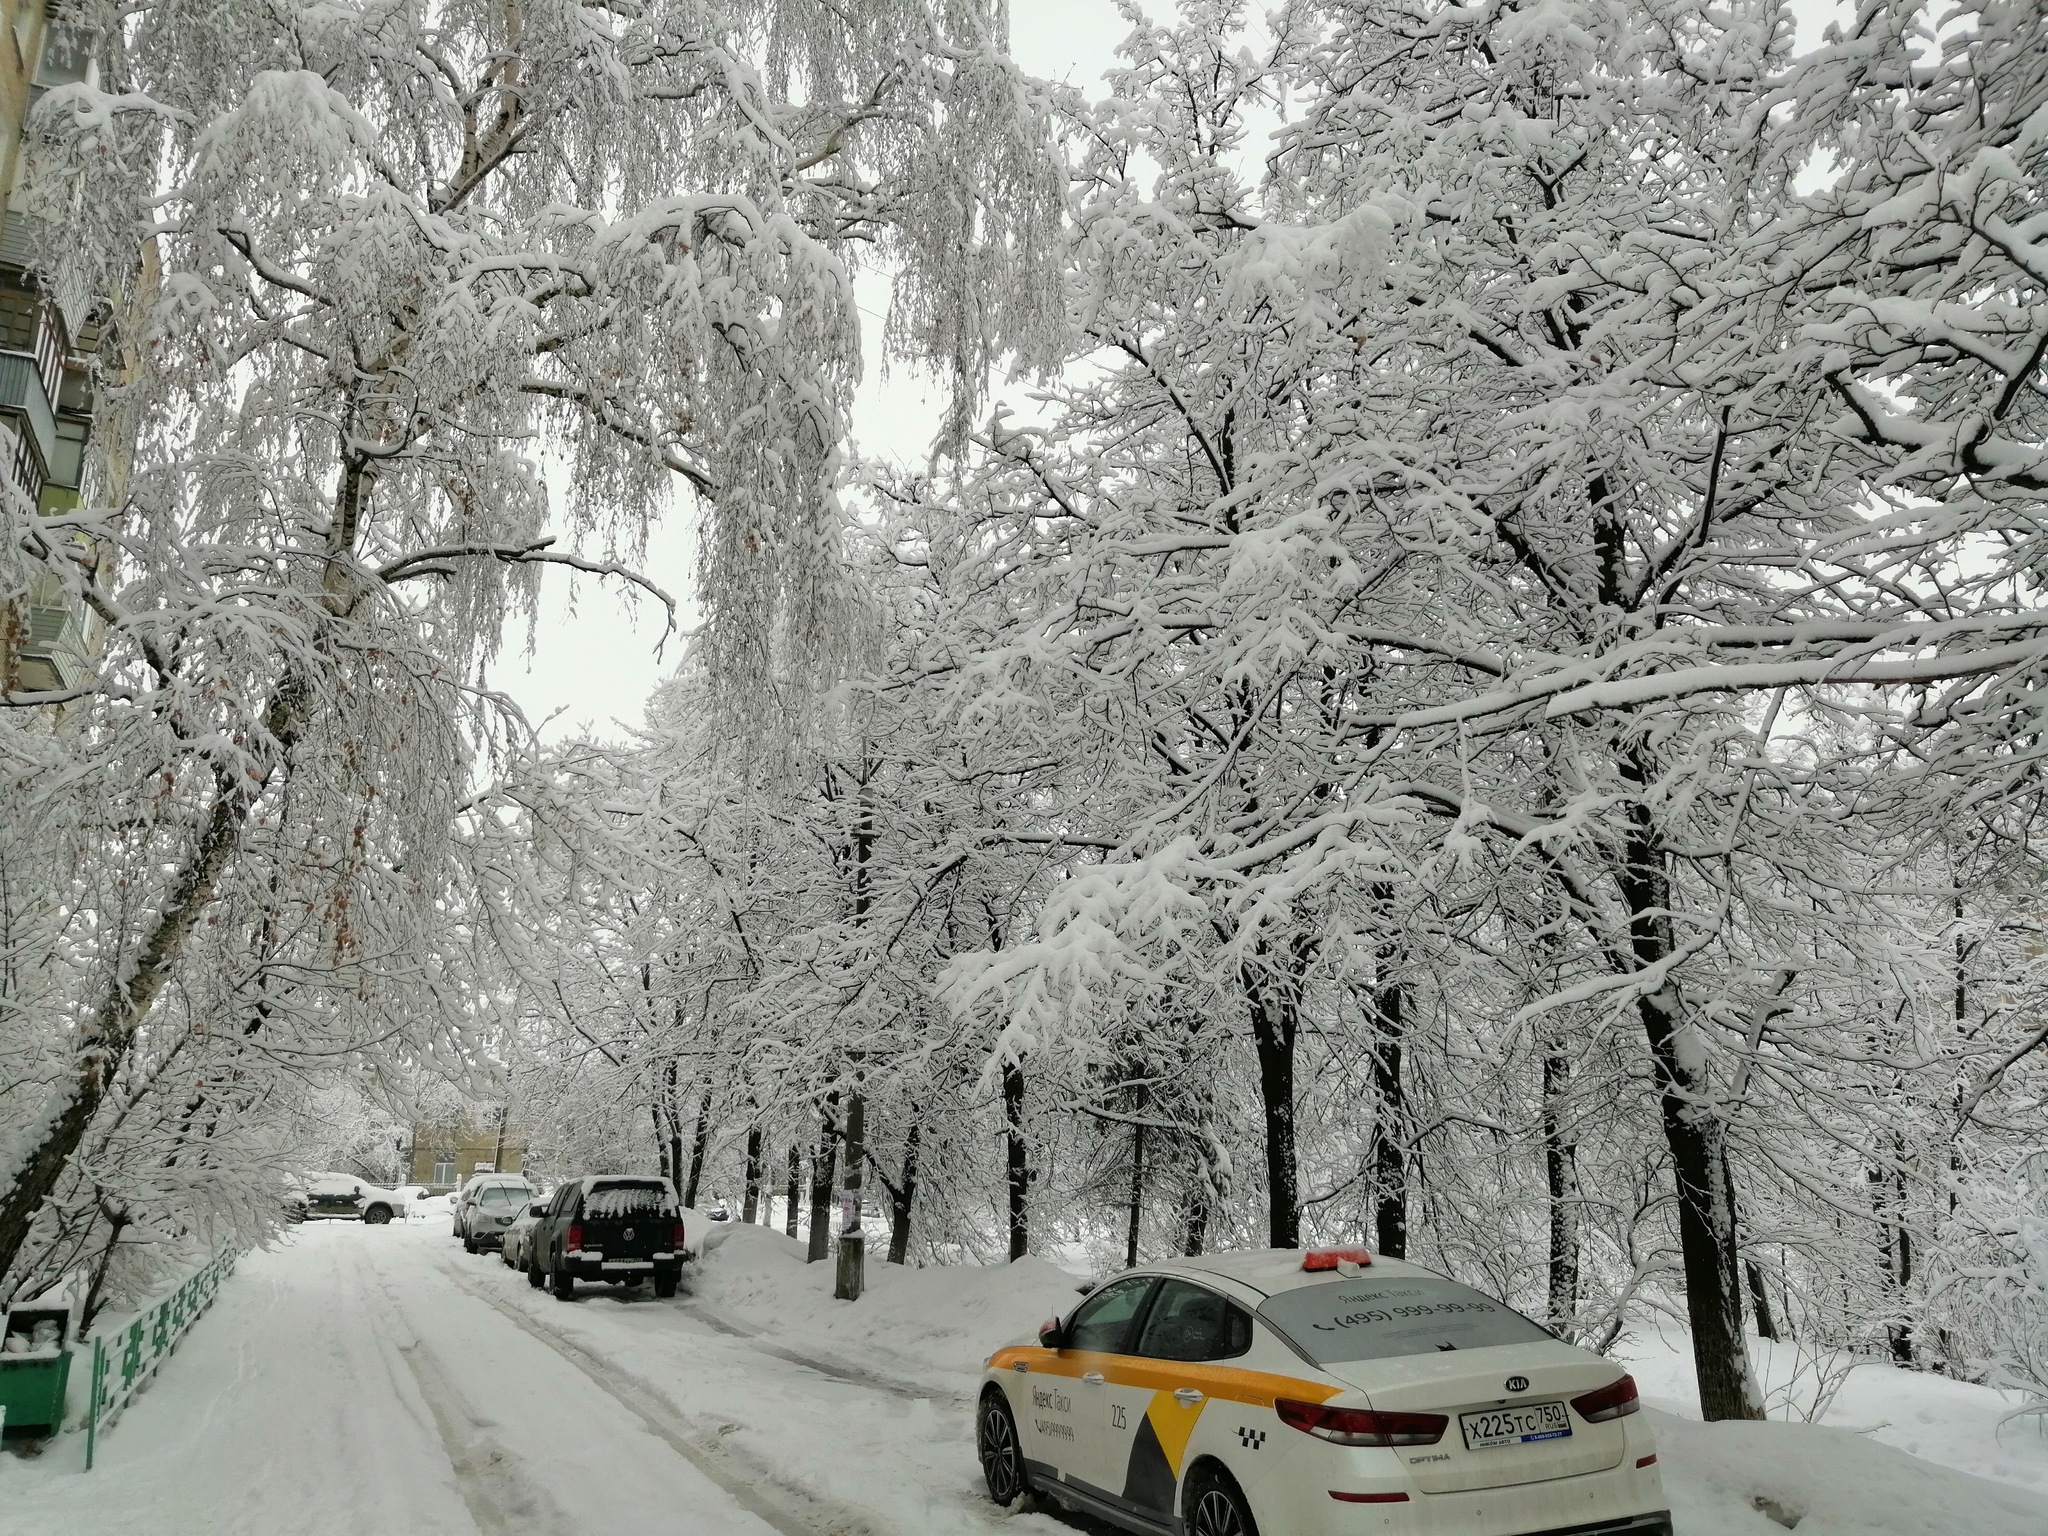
x: 35, y: 1365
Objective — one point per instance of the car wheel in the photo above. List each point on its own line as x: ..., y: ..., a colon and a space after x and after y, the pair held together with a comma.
x: 377, y: 1215
x: 469, y: 1245
x: 563, y: 1284
x: 1214, y: 1506
x: 664, y: 1286
x: 995, y: 1439
x: 534, y: 1277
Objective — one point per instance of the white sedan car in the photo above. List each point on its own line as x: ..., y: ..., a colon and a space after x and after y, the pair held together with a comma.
x: 1299, y: 1393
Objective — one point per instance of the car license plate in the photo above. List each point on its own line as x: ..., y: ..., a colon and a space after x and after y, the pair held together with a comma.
x: 1515, y: 1426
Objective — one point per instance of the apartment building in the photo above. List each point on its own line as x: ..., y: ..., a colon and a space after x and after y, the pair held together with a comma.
x: 447, y: 1153
x: 49, y: 343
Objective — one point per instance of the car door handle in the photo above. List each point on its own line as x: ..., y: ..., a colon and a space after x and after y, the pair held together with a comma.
x: 1093, y: 1378
x: 1187, y: 1397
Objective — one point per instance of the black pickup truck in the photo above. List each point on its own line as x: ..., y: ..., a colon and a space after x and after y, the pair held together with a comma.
x: 618, y: 1228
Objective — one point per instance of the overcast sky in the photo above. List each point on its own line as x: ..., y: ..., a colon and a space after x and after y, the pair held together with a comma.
x: 594, y: 660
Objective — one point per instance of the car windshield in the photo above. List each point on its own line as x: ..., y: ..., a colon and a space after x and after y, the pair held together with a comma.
x: 1378, y: 1319
x: 610, y: 1202
x: 501, y: 1197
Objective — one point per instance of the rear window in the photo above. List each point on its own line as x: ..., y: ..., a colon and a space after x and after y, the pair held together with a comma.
x: 614, y: 1202
x: 1367, y: 1319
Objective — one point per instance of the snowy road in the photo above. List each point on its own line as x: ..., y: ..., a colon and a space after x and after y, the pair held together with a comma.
x: 378, y: 1380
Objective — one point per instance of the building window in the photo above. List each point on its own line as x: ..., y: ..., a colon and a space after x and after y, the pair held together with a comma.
x: 444, y: 1171
x: 18, y: 316
x: 25, y: 465
x: 68, y: 469
x: 67, y: 57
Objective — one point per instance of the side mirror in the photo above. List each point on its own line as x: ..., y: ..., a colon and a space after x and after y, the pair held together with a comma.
x: 1052, y: 1334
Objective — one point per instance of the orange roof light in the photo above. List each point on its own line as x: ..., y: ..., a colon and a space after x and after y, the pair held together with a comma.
x: 1330, y: 1258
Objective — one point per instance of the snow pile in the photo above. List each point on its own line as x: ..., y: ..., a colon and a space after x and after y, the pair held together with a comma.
x: 908, y: 1322
x: 1760, y: 1479
x: 1933, y: 1417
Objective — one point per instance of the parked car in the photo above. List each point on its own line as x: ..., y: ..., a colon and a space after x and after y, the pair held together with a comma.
x: 618, y: 1228
x: 342, y: 1197
x: 516, y: 1248
x: 489, y: 1204
x: 1278, y: 1390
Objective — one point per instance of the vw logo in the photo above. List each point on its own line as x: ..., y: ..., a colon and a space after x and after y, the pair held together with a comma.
x: 629, y: 1238
x: 1518, y: 1383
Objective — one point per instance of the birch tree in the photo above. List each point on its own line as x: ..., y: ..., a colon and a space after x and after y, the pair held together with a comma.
x: 390, y: 256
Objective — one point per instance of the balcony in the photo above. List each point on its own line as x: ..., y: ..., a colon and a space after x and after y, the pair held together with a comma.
x: 22, y: 394
x: 53, y: 654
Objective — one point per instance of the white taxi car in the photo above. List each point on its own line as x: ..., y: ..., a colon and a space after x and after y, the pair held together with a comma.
x: 1299, y: 1393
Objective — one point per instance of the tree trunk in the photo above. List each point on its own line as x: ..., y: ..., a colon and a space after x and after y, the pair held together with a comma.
x: 1196, y: 1232
x: 791, y: 1200
x: 1275, y: 1021
x: 1706, y: 1218
x: 95, y: 1292
x: 1137, y: 1200
x: 1895, y: 1255
x: 823, y: 1172
x: 753, y: 1198
x: 1203, y: 1190
x: 104, y: 1041
x: 1389, y: 1127
x: 1019, y: 1169
x: 700, y: 1145
x: 903, y: 1197
x: 1561, y: 1179
x: 675, y: 1125
x: 661, y: 1157
x: 1760, y: 1300
x: 853, y: 1242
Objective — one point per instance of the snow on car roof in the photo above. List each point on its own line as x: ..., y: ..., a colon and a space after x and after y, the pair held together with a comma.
x: 1277, y: 1269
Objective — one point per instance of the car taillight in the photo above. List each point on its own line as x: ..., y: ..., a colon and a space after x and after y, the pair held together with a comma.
x: 679, y: 1240
x: 1330, y: 1258
x: 574, y: 1241
x: 1361, y: 1426
x: 1616, y: 1400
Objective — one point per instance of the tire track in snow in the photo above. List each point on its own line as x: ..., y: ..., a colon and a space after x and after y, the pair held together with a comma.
x: 757, y: 1489
x: 824, y: 1365
x: 500, y: 1499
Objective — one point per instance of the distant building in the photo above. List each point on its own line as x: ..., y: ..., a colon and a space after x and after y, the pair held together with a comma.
x: 443, y: 1156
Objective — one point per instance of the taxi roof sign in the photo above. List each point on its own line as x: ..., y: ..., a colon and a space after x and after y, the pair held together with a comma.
x: 1330, y: 1258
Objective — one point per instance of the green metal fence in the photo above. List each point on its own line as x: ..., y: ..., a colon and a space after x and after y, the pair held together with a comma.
x: 124, y: 1364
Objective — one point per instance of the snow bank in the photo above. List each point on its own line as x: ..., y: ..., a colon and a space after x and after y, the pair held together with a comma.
x: 935, y: 1326
x: 1933, y: 1417
x: 910, y: 1322
x: 1761, y: 1479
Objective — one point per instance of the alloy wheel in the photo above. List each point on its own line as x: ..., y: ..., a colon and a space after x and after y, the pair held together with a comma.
x: 999, y: 1461
x: 1215, y: 1514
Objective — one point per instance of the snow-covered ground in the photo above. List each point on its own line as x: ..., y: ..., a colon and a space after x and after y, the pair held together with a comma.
x: 377, y: 1380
